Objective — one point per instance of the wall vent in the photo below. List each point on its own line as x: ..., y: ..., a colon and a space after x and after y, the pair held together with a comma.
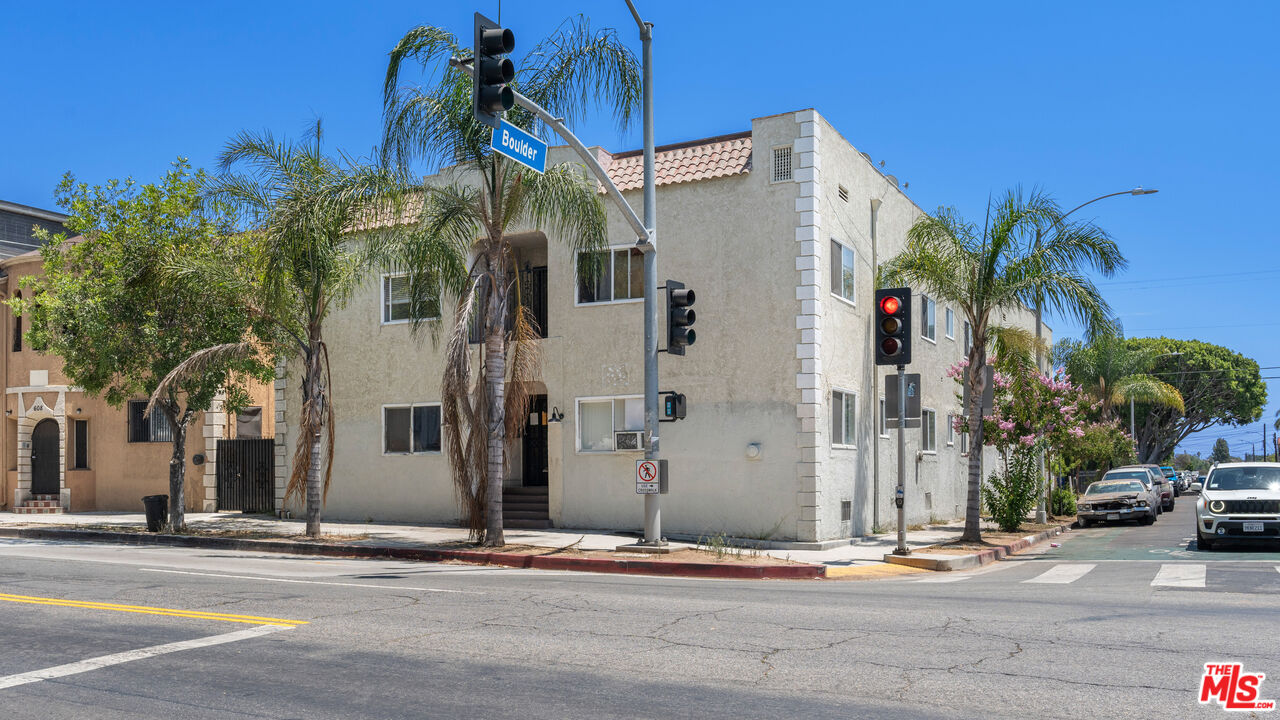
x: 846, y: 510
x: 843, y: 192
x: 781, y: 164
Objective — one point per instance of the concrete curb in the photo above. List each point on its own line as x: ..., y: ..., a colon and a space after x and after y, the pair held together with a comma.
x: 515, y: 560
x: 945, y: 563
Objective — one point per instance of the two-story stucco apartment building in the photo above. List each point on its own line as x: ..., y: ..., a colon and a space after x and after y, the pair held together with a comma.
x: 778, y: 230
x: 65, y: 450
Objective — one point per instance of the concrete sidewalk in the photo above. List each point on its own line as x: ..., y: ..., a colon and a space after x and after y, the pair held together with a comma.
x: 859, y: 551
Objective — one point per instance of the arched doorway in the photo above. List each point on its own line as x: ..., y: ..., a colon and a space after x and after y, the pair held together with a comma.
x: 45, y: 459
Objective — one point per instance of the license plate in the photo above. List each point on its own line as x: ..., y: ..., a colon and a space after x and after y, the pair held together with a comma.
x: 1116, y: 516
x: 1253, y: 527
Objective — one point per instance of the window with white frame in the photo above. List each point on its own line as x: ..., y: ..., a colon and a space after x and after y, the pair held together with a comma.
x: 842, y: 271
x: 928, y: 430
x: 951, y: 429
x: 884, y: 419
x: 968, y: 338
x: 601, y: 422
x: 951, y: 324
x: 613, y: 275
x: 964, y: 443
x: 844, y: 415
x: 782, y: 163
x: 411, y: 428
x: 397, y: 303
x: 928, y: 318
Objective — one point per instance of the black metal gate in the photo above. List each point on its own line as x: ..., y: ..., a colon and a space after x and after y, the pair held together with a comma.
x: 535, y: 443
x: 246, y: 475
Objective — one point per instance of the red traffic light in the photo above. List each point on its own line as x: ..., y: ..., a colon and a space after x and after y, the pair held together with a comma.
x: 890, y: 305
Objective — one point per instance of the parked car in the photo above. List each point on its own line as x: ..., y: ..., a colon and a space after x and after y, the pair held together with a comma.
x: 1172, y: 476
x: 1163, y: 489
x: 1119, y: 495
x: 1239, y: 501
x: 1195, y: 485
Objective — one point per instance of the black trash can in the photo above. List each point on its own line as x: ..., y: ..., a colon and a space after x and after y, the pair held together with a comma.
x: 157, y: 512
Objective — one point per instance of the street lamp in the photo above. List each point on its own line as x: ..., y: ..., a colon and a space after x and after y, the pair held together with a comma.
x: 1040, y: 507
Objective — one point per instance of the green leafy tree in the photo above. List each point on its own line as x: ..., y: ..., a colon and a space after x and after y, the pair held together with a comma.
x: 1114, y: 372
x: 121, y: 324
x: 999, y: 267
x: 1218, y: 387
x: 573, y: 71
x: 1221, y: 451
x: 313, y: 224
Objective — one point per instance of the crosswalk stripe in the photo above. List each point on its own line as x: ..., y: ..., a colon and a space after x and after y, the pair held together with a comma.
x: 1062, y: 574
x: 1181, y: 575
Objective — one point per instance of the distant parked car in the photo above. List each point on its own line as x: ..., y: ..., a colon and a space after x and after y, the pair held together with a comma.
x: 1239, y: 501
x: 1172, y: 476
x: 1195, y: 485
x: 1119, y: 495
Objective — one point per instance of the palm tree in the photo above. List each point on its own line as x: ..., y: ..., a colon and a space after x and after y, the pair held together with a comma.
x: 1000, y: 268
x: 572, y: 71
x: 1113, y: 372
x: 301, y: 210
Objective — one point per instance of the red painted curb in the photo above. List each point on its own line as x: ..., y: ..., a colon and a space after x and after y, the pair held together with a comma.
x: 514, y: 560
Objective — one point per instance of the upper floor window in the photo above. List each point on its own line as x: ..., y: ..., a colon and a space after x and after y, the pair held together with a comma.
x: 610, y: 423
x: 410, y: 429
x: 17, y: 327
x: 842, y: 272
x: 928, y: 318
x: 951, y: 324
x: 612, y: 275
x: 397, y: 303
x: 148, y: 428
x: 844, y: 412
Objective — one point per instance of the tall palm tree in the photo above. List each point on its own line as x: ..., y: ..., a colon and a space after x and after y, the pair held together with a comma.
x: 1000, y: 268
x: 1114, y: 372
x: 308, y: 220
x: 573, y: 71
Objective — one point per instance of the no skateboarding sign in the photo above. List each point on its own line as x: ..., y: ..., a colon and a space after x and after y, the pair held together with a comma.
x: 649, y: 476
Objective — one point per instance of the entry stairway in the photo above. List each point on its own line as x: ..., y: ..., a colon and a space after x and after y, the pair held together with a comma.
x: 525, y: 507
x: 39, y: 505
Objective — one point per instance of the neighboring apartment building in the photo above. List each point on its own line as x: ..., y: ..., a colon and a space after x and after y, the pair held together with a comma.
x: 17, y: 223
x: 778, y: 230
x: 67, y: 451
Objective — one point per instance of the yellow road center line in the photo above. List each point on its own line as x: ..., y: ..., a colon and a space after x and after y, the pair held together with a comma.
x: 143, y: 609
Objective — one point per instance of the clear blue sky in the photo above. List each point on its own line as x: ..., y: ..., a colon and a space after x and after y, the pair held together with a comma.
x: 959, y: 99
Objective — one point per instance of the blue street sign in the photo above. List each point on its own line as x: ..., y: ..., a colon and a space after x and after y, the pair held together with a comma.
x: 519, y: 146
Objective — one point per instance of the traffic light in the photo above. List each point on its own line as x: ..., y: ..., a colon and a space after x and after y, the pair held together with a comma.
x: 674, y: 407
x: 893, y: 326
x: 680, y: 317
x: 490, y: 95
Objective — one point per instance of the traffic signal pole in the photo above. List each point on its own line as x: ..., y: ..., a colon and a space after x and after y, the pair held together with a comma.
x: 652, y: 502
x: 901, y: 495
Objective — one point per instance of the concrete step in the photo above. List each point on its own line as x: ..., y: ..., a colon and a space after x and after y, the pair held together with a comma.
x: 524, y: 503
x: 27, y: 510
x: 513, y: 491
x: 41, y: 503
x: 44, y: 497
x: 526, y: 524
x: 510, y: 514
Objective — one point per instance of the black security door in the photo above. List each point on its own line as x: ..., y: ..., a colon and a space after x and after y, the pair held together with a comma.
x: 535, y: 443
x: 44, y: 458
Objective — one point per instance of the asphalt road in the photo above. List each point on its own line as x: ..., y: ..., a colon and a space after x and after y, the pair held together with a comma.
x: 241, y: 635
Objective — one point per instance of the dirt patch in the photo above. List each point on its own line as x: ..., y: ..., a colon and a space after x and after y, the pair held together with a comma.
x: 732, y: 556
x: 197, y: 531
x: 993, y: 539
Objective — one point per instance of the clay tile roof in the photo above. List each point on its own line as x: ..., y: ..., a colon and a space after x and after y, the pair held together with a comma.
x: 686, y: 162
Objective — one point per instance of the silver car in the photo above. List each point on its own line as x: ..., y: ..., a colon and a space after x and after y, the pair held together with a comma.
x: 1239, y: 501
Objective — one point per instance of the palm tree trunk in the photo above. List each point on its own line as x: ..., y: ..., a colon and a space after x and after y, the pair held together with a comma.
x: 316, y: 408
x: 177, y: 474
x: 975, y: 377
x: 495, y: 374
x: 313, y: 488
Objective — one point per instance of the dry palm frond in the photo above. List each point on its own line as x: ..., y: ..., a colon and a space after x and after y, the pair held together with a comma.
x: 524, y: 355
x: 461, y: 406
x: 198, y: 364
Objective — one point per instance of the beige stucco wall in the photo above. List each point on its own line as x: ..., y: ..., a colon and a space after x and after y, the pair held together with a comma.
x: 761, y: 371
x: 120, y: 473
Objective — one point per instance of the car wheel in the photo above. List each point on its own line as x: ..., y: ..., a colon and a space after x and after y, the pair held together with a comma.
x: 1150, y: 519
x: 1203, y: 542
x: 1171, y: 505
x: 1082, y: 523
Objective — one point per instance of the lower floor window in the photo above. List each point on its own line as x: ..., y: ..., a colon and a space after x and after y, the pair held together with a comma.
x: 148, y: 428
x: 411, y: 428
x: 608, y: 424
x: 928, y: 430
x: 844, y: 408
x: 81, y: 440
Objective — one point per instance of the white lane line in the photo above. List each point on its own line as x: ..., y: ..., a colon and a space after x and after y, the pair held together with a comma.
x: 1062, y: 574
x: 98, y: 663
x: 1189, y: 576
x: 310, y: 582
